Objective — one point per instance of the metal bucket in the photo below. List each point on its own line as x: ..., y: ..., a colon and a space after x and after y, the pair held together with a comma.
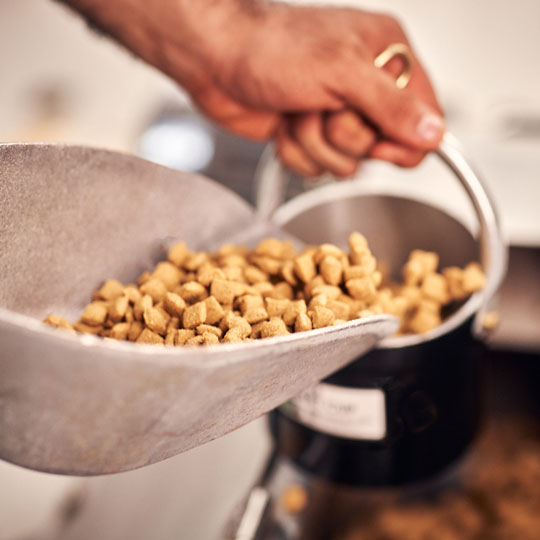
x: 410, y: 408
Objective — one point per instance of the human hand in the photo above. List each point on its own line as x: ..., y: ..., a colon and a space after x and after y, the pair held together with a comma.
x: 302, y: 75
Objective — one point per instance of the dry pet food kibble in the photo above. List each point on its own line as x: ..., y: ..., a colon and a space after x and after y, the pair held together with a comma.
x: 237, y: 295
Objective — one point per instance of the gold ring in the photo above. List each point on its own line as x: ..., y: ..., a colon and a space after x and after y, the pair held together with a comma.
x: 392, y: 51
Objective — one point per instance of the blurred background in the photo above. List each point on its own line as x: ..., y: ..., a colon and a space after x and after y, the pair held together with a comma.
x: 63, y: 82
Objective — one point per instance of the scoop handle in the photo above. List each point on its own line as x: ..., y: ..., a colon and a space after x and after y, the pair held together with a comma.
x: 271, y: 180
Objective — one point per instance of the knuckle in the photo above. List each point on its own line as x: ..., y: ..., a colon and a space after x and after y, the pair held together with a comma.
x: 350, y: 135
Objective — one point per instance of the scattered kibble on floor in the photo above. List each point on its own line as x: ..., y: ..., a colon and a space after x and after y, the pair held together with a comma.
x: 238, y: 295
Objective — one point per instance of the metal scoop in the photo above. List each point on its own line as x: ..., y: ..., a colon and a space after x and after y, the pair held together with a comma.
x: 77, y: 404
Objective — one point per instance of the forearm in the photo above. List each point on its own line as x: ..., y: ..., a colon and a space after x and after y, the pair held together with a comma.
x: 180, y: 37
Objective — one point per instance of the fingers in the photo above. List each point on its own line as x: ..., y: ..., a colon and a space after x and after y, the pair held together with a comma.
x: 307, y: 130
x: 399, y: 114
x: 346, y: 132
x: 398, y: 154
x: 293, y: 155
x: 251, y: 123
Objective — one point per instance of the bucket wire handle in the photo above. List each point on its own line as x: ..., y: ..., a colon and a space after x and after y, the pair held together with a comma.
x: 271, y: 181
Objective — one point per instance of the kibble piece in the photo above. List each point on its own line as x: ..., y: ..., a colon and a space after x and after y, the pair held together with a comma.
x: 412, y: 294
x: 429, y: 305
x: 250, y: 301
x: 413, y: 272
x: 133, y: 294
x: 293, y: 310
x: 330, y: 291
x: 174, y: 323
x: 94, y: 314
x: 182, y: 336
x: 423, y: 321
x: 337, y: 322
x: 325, y: 250
x: 255, y: 314
x: 118, y: 308
x: 154, y: 319
x: 361, y: 289
x: 272, y: 247
x: 264, y: 288
x: 209, y: 338
x: 275, y: 307
x: 473, y: 278
x: 282, y: 290
x: 355, y: 271
x: 195, y: 261
x: 108, y: 324
x: 304, y: 267
x: 302, y: 323
x: 195, y: 315
x: 233, y: 336
x: 141, y: 305
x: 233, y: 273
x: 321, y: 317
x: 207, y: 273
x: 273, y: 327
x: 120, y: 330
x: 240, y: 324
x: 434, y: 287
x: 376, y: 278
x: 256, y: 330
x: 194, y: 341
x: 223, y: 291
x: 135, y: 330
x: 254, y: 275
x: 317, y: 281
x: 490, y: 320
x: 229, y: 249
x: 294, y: 499
x: 147, y: 336
x: 193, y: 291
x: 208, y: 328
x: 429, y: 260
x: 340, y: 309
x: 454, y: 280
x: 214, y: 311
x: 368, y: 262
x: 178, y: 253
x: 358, y: 243
x: 110, y: 290
x: 398, y: 306
x: 155, y: 288
x: 234, y: 259
x: 287, y: 272
x: 170, y: 336
x: 267, y: 264
x: 58, y: 322
x: 318, y: 300
x: 331, y: 270
x: 365, y: 313
x: 143, y: 278
x: 174, y: 304
x: 168, y: 274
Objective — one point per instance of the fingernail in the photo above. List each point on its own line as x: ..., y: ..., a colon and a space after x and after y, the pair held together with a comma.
x: 430, y: 127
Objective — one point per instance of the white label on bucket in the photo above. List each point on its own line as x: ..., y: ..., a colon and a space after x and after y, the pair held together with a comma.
x: 355, y: 413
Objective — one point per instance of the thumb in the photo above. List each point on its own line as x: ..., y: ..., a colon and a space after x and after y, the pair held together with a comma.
x: 397, y: 113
